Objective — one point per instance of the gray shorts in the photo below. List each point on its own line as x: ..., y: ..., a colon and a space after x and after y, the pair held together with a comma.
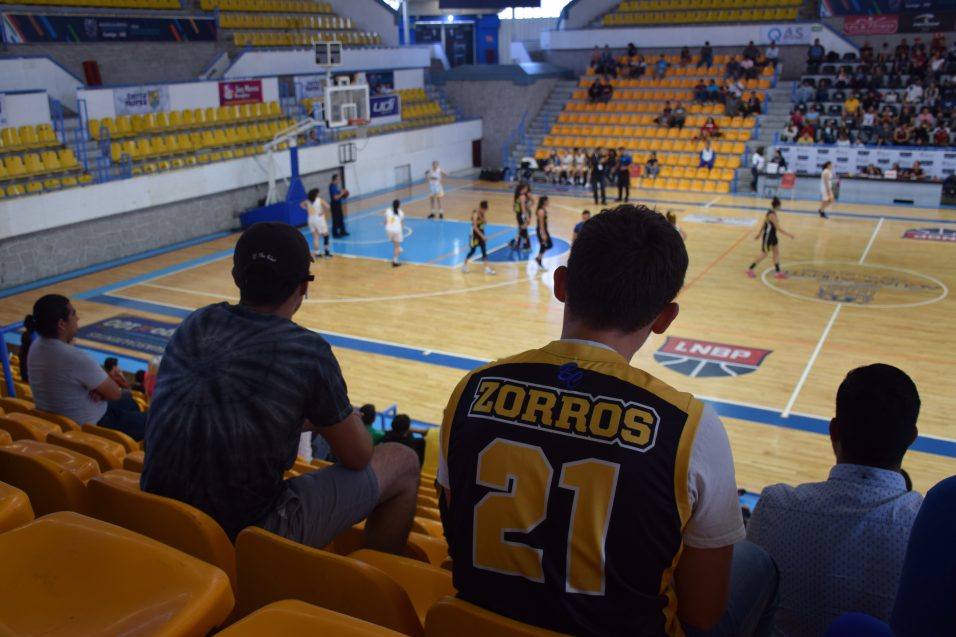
x: 319, y: 505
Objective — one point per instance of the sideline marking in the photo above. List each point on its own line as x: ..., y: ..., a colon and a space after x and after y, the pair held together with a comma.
x: 813, y: 359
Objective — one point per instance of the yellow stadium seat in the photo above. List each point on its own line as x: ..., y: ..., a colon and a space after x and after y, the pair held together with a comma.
x: 452, y: 616
x: 67, y: 159
x: 292, y: 617
x: 24, y: 426
x: 425, y: 584
x: 115, y: 497
x: 67, y: 574
x: 14, y: 405
x: 128, y: 443
x: 52, y: 476
x: 15, y: 509
x: 107, y: 454
x: 272, y: 568
x: 134, y: 461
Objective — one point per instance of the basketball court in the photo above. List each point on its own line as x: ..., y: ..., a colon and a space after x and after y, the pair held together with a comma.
x: 870, y: 284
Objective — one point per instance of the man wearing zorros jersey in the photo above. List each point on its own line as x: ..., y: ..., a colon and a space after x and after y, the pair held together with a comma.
x: 585, y: 496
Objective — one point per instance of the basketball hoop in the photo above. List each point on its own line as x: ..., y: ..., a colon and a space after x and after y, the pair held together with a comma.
x: 360, y: 125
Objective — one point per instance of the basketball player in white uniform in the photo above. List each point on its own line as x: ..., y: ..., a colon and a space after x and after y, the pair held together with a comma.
x: 435, y: 190
x: 316, y: 208
x: 826, y: 188
x: 395, y: 229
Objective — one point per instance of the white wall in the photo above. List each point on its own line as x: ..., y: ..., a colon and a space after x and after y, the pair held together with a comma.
x: 374, y: 170
x: 695, y: 36
x: 27, y: 109
x: 581, y: 14
x: 409, y: 78
x: 302, y: 61
x: 39, y: 73
x: 182, y: 95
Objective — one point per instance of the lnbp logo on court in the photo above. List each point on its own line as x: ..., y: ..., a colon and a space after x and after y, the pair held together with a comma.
x: 708, y: 360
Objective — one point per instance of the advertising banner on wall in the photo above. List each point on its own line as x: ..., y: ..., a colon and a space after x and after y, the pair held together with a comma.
x: 3, y: 109
x: 805, y: 159
x: 240, y: 92
x: 140, y: 100
x: 28, y: 28
x: 783, y: 35
x: 928, y: 21
x: 308, y: 86
x: 382, y: 106
x: 871, y: 24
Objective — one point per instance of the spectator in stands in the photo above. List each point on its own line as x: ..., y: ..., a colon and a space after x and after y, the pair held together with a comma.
x: 678, y: 116
x: 772, y: 56
x: 732, y: 69
x: 748, y: 69
x: 637, y: 66
x: 924, y: 601
x: 914, y: 92
x: 710, y: 130
x: 804, y: 92
x: 942, y: 135
x: 368, y: 415
x: 806, y: 136
x: 843, y: 78
x: 815, y: 56
x: 660, y: 67
x: 713, y: 92
x: 607, y: 90
x: 885, y: 56
x: 631, y: 50
x: 651, y: 166
x: 402, y: 434
x: 732, y: 104
x: 827, y: 133
x: 790, y: 132
x: 751, y: 52
x: 625, y: 269
x: 595, y: 57
x: 922, y: 134
x: 594, y: 91
x: 902, y: 135
x: 66, y: 380
x: 868, y: 125
x: 851, y: 105
x: 706, y: 56
x: 824, y: 535
x: 877, y: 78
x: 700, y: 91
x: 707, y: 156
x: 843, y: 138
x: 925, y: 117
x: 866, y: 53
x: 753, y: 106
x: 112, y: 369
x: 685, y: 57
x: 238, y: 385
x: 607, y: 64
x: 664, y: 119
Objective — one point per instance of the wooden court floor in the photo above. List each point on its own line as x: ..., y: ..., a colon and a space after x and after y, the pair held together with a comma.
x: 769, y: 352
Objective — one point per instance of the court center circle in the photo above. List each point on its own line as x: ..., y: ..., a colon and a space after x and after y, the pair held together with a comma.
x: 861, y: 284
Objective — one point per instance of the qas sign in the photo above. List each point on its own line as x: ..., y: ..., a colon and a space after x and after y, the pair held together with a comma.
x: 797, y: 34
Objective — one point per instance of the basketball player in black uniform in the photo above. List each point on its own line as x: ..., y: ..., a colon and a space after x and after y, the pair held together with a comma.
x: 770, y: 243
x: 583, y: 495
x: 544, y: 236
x: 522, y: 217
x: 478, y: 239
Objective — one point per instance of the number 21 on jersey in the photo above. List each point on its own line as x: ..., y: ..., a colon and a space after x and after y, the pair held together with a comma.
x: 521, y: 477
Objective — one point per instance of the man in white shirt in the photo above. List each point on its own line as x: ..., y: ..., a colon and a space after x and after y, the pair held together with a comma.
x: 757, y: 163
x: 914, y: 92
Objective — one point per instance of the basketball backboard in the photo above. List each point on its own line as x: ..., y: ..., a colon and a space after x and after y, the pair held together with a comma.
x: 344, y: 103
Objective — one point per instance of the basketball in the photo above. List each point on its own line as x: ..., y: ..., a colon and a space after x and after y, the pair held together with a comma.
x: 345, y: 193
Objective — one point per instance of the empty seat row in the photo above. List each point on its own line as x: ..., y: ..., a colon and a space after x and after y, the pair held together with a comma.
x: 284, y: 21
x: 420, y: 110
x: 174, y: 144
x: 131, y: 125
x: 267, y: 6
x: 197, y: 159
x: 34, y: 164
x: 412, y: 95
x: 40, y: 186
x: 304, y: 38
x: 630, y: 107
x: 27, y: 138
x: 629, y: 95
x: 700, y: 16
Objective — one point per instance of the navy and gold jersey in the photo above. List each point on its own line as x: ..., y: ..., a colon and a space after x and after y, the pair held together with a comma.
x: 568, y: 476
x: 769, y: 232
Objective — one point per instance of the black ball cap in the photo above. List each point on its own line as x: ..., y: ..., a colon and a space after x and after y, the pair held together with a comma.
x: 271, y: 251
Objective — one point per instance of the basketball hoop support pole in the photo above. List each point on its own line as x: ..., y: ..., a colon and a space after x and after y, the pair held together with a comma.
x: 296, y: 190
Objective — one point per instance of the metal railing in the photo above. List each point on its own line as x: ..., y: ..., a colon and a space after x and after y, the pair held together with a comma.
x: 5, y: 354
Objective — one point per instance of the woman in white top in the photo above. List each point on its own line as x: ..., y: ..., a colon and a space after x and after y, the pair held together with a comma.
x: 580, y: 167
x: 395, y: 229
x: 435, y: 190
x: 316, y: 208
x: 826, y: 188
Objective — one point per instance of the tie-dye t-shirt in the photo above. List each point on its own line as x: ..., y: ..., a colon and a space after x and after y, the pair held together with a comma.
x: 232, y: 394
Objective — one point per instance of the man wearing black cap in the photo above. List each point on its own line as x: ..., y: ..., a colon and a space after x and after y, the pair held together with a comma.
x: 238, y: 385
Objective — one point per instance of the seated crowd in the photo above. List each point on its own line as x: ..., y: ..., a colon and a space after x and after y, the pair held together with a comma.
x: 541, y: 516
x: 900, y: 97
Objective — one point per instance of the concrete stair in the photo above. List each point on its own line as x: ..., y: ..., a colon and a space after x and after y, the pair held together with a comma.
x: 540, y: 125
x: 779, y: 105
